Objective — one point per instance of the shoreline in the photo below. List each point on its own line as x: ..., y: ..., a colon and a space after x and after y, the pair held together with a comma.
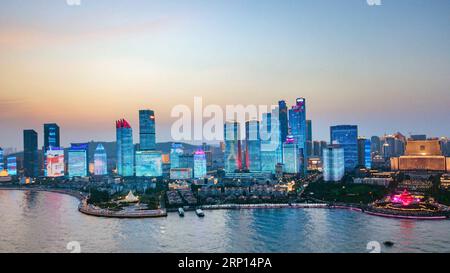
x: 90, y: 210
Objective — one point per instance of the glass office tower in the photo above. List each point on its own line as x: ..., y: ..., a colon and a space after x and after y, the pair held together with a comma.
x: 233, y: 153
x: 333, y: 163
x: 30, y: 153
x: 147, y: 136
x: 253, y: 146
x: 291, y: 156
x: 175, y: 152
x: 347, y: 137
x: 77, y: 162
x: 149, y: 164
x: 125, y: 148
x: 200, y: 164
x: 100, y: 161
x: 271, y: 148
x: 2, y: 166
x: 51, y: 136
x: 297, y: 123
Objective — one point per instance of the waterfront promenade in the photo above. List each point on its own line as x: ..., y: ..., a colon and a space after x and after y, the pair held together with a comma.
x: 92, y: 210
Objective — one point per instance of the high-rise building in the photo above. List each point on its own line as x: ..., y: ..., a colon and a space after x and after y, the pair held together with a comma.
x: 77, y: 162
x: 2, y: 167
x: 54, y: 162
x: 51, y: 136
x: 209, y: 155
x: 333, y: 163
x: 317, y: 151
x: 11, y: 165
x: 309, y: 141
x: 149, y: 164
x: 125, y: 148
x: 147, y: 137
x: 323, y: 145
x: 347, y: 137
x: 389, y: 146
x: 283, y: 119
x: 364, y: 153
x: 233, y: 152
x: 200, y: 164
x: 271, y: 147
x: 100, y: 161
x: 30, y: 153
x: 176, y: 151
x: 297, y: 124
x: 376, y: 145
x: 292, y: 157
x: 253, y: 146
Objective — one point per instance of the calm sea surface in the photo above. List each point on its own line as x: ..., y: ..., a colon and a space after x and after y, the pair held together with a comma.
x: 46, y: 222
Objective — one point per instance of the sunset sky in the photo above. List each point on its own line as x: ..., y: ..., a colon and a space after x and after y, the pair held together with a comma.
x: 385, y: 68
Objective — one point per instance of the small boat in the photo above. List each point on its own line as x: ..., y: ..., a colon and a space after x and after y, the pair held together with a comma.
x: 181, y: 212
x: 199, y: 213
x: 388, y: 243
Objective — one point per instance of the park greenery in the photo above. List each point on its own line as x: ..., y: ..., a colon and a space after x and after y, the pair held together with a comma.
x: 345, y: 192
x: 151, y: 197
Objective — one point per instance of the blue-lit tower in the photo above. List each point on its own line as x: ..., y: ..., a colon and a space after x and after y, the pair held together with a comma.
x: 100, y: 161
x: 347, y: 137
x: 291, y: 156
x: 298, y: 127
x: 199, y: 164
x: 176, y: 151
x: 147, y: 136
x: 333, y: 163
x: 125, y: 148
x: 1, y: 160
x: 77, y: 161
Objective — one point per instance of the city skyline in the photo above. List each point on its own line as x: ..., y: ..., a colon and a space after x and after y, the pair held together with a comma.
x: 55, y: 67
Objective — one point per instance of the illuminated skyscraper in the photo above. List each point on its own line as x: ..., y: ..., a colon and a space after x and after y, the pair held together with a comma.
x: 12, y: 165
x: 30, y: 153
x: 283, y: 119
x: 291, y: 156
x: 297, y: 124
x: 77, y: 162
x: 199, y: 164
x: 333, y: 163
x: 175, y: 152
x: 125, y: 148
x: 51, y: 136
x: 100, y: 161
x: 271, y: 147
x: 147, y: 136
x: 364, y: 153
x: 1, y: 160
x: 253, y: 146
x: 347, y: 137
x: 233, y: 153
x: 149, y: 164
x: 54, y: 158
